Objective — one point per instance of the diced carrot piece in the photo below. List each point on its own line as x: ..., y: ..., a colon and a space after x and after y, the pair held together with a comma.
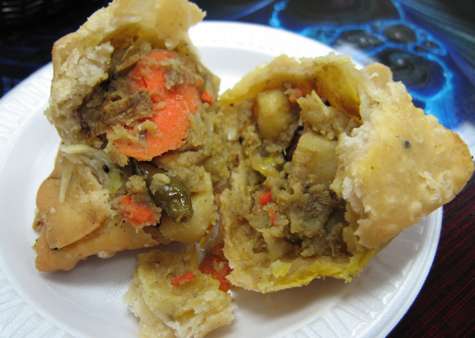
x: 217, y: 266
x: 172, y: 109
x: 179, y: 280
x: 137, y: 214
x: 207, y: 97
x: 265, y: 198
x: 218, y: 250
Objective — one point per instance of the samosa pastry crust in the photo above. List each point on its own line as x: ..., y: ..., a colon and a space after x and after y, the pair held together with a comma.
x: 133, y: 105
x: 333, y: 163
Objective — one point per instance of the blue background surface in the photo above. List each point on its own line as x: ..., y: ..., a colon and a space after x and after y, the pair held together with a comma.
x: 428, y: 45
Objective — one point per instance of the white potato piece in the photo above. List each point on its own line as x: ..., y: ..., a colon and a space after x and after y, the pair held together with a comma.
x: 315, y: 155
x: 273, y: 113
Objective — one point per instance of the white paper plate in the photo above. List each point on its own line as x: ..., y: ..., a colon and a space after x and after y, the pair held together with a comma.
x: 87, y: 302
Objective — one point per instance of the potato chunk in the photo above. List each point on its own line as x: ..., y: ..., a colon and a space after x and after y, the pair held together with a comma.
x: 315, y: 155
x: 273, y: 113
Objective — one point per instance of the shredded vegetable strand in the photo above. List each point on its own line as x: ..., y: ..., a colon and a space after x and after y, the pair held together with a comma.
x: 66, y: 175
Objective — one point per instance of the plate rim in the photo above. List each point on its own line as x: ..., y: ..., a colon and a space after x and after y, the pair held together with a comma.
x: 13, y: 123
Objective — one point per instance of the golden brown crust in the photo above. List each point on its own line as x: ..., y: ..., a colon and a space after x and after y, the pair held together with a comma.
x: 190, y: 309
x: 80, y: 224
x: 83, y: 208
x: 268, y: 76
x: 258, y: 271
x: 399, y: 165
x: 109, y: 239
x: 81, y: 59
x: 395, y: 164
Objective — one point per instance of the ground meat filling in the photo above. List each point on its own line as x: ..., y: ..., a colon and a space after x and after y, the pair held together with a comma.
x: 112, y: 102
x: 289, y: 149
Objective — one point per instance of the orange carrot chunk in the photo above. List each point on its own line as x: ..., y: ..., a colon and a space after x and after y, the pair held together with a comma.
x: 137, y: 214
x: 172, y: 108
x: 265, y: 198
x: 179, y: 280
x: 217, y: 266
x: 206, y: 97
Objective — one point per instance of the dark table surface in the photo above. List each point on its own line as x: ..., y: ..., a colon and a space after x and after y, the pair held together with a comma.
x: 429, y: 45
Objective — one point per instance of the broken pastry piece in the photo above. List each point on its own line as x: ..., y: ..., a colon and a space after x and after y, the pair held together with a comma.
x: 75, y: 218
x: 173, y: 298
x: 133, y: 106
x: 334, y: 162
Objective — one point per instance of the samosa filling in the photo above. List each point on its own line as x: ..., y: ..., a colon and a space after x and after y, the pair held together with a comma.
x: 139, y: 126
x: 143, y: 109
x: 289, y: 138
